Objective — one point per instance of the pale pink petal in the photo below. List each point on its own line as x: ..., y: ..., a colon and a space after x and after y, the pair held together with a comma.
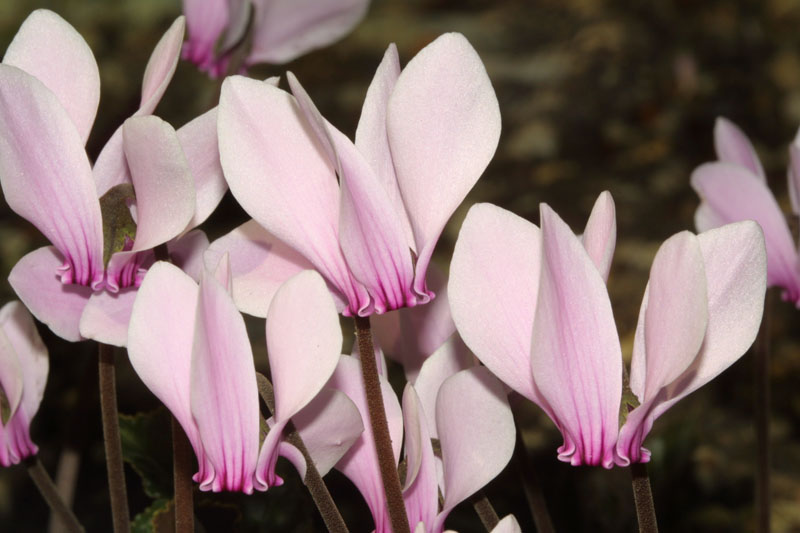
x: 328, y: 425
x: 199, y: 141
x: 794, y: 175
x: 575, y: 352
x: 224, y: 395
x: 373, y: 243
x: 48, y: 48
x: 421, y: 490
x: 24, y: 359
x: 260, y: 264
x: 733, y: 146
x: 187, y: 253
x: 289, y: 187
x: 508, y: 524
x: 161, y: 67
x: 35, y: 280
x: 205, y: 22
x: 443, y: 123
x: 46, y: 177
x: 600, y: 236
x: 477, y: 434
x: 107, y: 315
x: 494, y: 278
x: 110, y: 168
x: 372, y: 139
x: 286, y: 29
x: 705, y: 218
x: 735, y: 194
x: 160, y: 338
x: 10, y: 371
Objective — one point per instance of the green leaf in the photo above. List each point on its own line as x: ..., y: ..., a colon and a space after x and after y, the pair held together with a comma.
x: 158, y: 518
x: 148, y: 451
x: 119, y: 229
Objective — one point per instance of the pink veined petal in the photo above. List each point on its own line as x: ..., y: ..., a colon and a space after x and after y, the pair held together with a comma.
x: 410, y: 335
x: 372, y: 139
x: 443, y: 122
x: 575, y: 352
x: 205, y: 22
x: 46, y: 177
x: 35, y: 280
x: 107, y: 315
x: 260, y: 264
x: 15, y: 439
x: 48, y: 48
x: 187, y: 253
x: 360, y: 464
x: 288, y: 187
x: 494, y: 278
x: 162, y: 322
x: 794, y: 174
x: 198, y: 139
x: 421, y: 490
x: 735, y: 194
x: 224, y: 396
x: 161, y: 66
x: 328, y: 425
x: 600, y: 236
x: 475, y: 452
x: 733, y: 146
x: 23, y: 359
x: 373, y: 243
x: 675, y: 310
x: 286, y: 29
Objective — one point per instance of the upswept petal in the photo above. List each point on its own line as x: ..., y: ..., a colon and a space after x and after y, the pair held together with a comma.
x: 443, y: 122
x: 373, y: 243
x: 224, y: 396
x: 600, y: 236
x: 421, y: 490
x: 575, y: 352
x: 10, y: 370
x: 36, y: 283
x: 733, y: 146
x: 22, y: 343
x: 46, y: 177
x: 161, y: 66
x: 107, y: 315
x: 705, y: 218
x: 735, y: 194
x: 372, y: 139
x: 508, y: 524
x: 187, y: 253
x: 477, y: 434
x: 48, y: 48
x: 260, y: 263
x: 794, y: 174
x: 494, y: 279
x: 288, y: 187
x: 205, y: 22
x: 286, y: 29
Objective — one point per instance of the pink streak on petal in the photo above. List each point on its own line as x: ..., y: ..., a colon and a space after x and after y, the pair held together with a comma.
x: 733, y: 146
x: 443, y: 122
x: 205, y: 22
x: 421, y: 491
x: 600, y: 236
x: 107, y: 315
x: 22, y: 344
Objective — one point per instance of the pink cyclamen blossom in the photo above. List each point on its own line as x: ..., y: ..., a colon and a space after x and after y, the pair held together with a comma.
x: 735, y: 188
x: 282, y: 30
x: 190, y: 347
x: 23, y: 375
x: 424, y: 138
x: 49, y: 93
x: 533, y: 306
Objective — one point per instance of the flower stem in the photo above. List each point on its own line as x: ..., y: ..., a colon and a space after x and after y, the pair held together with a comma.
x: 113, y: 444
x: 532, y: 487
x: 643, y: 496
x: 182, y: 479
x: 313, y: 480
x: 50, y: 494
x: 485, y: 511
x: 762, y: 397
x: 380, y: 427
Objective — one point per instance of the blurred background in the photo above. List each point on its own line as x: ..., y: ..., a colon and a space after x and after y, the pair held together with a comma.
x: 595, y: 95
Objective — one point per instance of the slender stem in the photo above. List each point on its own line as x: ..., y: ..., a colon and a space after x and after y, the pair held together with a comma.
x: 66, y: 476
x: 182, y: 479
x: 485, y: 511
x: 113, y: 444
x: 532, y: 487
x: 313, y: 480
x: 762, y: 397
x: 643, y: 496
x: 380, y: 427
x: 50, y: 494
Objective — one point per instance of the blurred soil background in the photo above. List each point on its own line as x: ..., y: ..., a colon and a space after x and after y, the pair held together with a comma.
x: 595, y: 95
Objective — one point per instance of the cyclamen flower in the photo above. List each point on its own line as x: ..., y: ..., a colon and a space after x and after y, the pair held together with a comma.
x: 49, y: 92
x: 533, y: 306
x: 189, y: 346
x: 23, y: 375
x: 735, y: 188
x: 425, y: 136
x: 282, y: 30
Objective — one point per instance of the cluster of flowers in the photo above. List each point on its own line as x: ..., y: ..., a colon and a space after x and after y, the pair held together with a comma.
x: 350, y: 227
